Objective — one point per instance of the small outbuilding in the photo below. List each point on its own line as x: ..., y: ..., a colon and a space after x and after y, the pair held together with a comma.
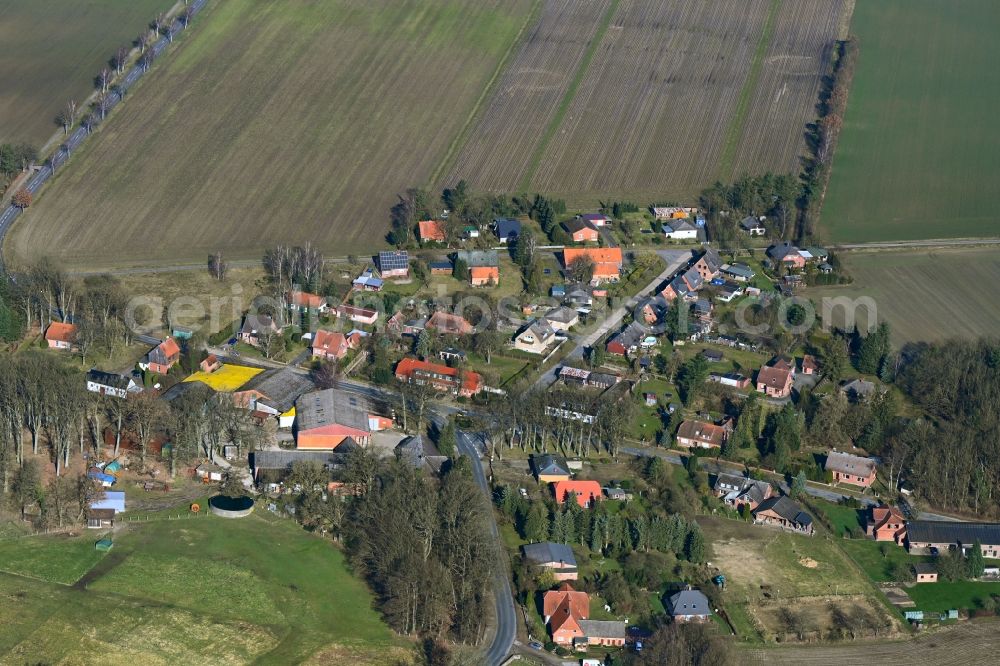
x: 925, y: 572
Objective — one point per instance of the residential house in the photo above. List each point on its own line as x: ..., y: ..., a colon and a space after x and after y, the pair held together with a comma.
x: 596, y: 219
x: 925, y: 572
x: 885, y: 523
x: 818, y: 253
x: 938, y: 536
x: 738, y: 272
x: 848, y: 468
x: 60, y: 335
x: 357, y: 315
x: 627, y: 341
x: 558, y: 291
x: 330, y: 345
x: 709, y: 265
x: 441, y: 267
x: 272, y: 466
x: 784, y: 513
x: 484, y: 266
x: 654, y: 309
x: 419, y: 452
x: 394, y: 264
x: 587, y: 493
x: 562, y: 610
x: 579, y: 297
x: 535, y: 337
x: 688, y: 605
x: 256, y: 326
x: 452, y: 354
x: 210, y: 364
x: 162, y: 357
x: 107, y: 383
x: 581, y: 231
x: 324, y: 419
x: 430, y: 231
x: 368, y: 281
x: 700, y: 435
x: 550, y: 468
x: 858, y: 389
x: 753, y: 226
x: 684, y: 286
x: 273, y: 393
x: 679, y: 230
x: 562, y: 318
x: 784, y: 253
x: 441, y: 377
x: 556, y: 558
x: 302, y: 302
x: 712, y: 355
x: 507, y: 229
x: 607, y: 262
x: 809, y: 365
x: 774, y: 382
x: 729, y: 291
x: 444, y: 323
x: 739, y: 491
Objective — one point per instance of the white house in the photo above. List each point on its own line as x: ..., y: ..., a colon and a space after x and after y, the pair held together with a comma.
x: 680, y: 230
x: 107, y: 383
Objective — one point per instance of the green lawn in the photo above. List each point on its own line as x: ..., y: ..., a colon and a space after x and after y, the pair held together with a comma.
x: 940, y: 597
x: 53, y: 558
x: 843, y: 518
x: 917, y: 154
x: 258, y: 589
x: 869, y: 556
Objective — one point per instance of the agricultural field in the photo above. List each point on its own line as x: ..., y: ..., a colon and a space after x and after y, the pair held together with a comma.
x: 917, y: 153
x: 50, y: 52
x: 278, y: 122
x: 664, y: 99
x: 956, y: 645
x: 925, y: 296
x: 199, y: 591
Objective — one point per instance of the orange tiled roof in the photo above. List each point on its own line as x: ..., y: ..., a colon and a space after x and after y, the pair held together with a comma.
x: 406, y: 367
x: 60, y: 332
x: 304, y: 299
x: 169, y: 347
x: 585, y: 491
x: 578, y: 602
x: 484, y: 272
x: 431, y: 230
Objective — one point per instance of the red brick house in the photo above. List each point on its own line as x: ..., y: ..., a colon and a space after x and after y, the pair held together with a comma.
x: 441, y: 377
x: 809, y: 365
x: 305, y: 303
x: 210, y: 364
x: 330, y: 345
x: 358, y: 315
x: 886, y: 523
x: 588, y: 493
x: 60, y: 335
x: 326, y: 419
x: 163, y: 356
x: 774, y: 382
x: 581, y: 231
x: 563, y: 609
x: 607, y: 261
x: 847, y: 468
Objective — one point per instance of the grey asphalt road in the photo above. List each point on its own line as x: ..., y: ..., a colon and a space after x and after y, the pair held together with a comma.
x: 675, y: 259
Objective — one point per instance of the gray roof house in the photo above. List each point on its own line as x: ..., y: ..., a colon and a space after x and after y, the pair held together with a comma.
x: 479, y: 258
x: 550, y: 465
x: 858, y: 389
x: 552, y: 556
x: 737, y: 271
x: 506, y: 228
x: 925, y: 534
x: 688, y: 605
x: 421, y: 453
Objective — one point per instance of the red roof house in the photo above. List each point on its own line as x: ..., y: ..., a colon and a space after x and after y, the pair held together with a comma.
x: 563, y: 609
x: 587, y: 492
x: 60, y: 335
x: 607, y: 261
x: 332, y: 345
x: 448, y: 324
x: 430, y: 230
x: 886, y: 523
x: 163, y: 357
x: 774, y: 382
x: 441, y: 377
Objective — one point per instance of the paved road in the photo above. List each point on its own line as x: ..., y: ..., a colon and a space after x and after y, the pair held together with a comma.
x: 80, y: 134
x: 503, y: 639
x: 676, y: 260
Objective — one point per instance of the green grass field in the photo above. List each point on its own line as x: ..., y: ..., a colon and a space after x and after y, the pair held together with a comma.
x: 868, y: 554
x: 50, y: 52
x: 917, y: 154
x: 278, y: 122
x: 202, y: 590
x: 940, y: 597
x: 923, y: 295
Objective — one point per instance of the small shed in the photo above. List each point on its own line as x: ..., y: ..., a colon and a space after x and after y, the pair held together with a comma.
x: 100, y: 519
x: 925, y: 572
x: 106, y: 480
